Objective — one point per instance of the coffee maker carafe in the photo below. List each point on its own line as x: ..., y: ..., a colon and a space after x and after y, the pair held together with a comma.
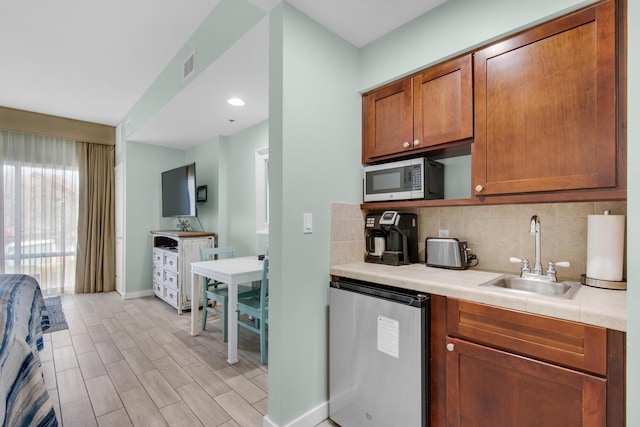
x: 376, y: 243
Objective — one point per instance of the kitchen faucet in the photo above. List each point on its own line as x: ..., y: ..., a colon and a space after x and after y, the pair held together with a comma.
x: 537, y: 274
x: 534, y: 230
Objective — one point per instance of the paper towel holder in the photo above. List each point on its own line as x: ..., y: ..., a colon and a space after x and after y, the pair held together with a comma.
x: 620, y: 285
x: 604, y: 284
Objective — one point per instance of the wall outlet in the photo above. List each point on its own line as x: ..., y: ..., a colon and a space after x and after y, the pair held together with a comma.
x: 443, y: 233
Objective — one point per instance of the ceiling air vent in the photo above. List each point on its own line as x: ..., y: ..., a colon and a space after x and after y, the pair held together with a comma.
x: 189, y: 66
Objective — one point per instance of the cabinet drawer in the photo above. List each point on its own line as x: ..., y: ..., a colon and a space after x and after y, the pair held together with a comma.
x: 171, y: 262
x: 158, y: 257
x: 170, y: 279
x: 171, y: 295
x: 562, y: 342
x: 157, y: 274
x: 158, y: 288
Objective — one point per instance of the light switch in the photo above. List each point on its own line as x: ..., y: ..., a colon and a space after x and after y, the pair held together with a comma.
x: 307, y: 223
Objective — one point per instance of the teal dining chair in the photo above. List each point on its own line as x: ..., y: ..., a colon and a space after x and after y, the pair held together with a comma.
x: 217, y: 292
x: 256, y: 307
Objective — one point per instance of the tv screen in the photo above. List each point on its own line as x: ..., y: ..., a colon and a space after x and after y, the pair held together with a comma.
x: 179, y: 191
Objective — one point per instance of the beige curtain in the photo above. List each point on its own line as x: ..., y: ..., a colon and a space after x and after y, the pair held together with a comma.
x: 95, y: 263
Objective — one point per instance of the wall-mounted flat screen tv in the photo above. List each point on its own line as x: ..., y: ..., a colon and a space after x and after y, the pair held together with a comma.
x: 179, y: 191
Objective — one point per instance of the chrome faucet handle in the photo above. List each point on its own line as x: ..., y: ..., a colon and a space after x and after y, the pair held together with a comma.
x: 524, y: 262
x: 551, y: 271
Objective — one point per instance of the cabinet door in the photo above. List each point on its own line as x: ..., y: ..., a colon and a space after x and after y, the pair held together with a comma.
x: 443, y: 103
x: 488, y: 387
x: 388, y: 121
x: 545, y: 107
x: 190, y: 252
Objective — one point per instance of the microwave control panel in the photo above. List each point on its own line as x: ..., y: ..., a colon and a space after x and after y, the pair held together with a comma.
x: 416, y: 178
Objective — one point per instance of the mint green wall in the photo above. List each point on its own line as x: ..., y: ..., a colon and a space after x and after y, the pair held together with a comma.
x: 228, y: 21
x: 226, y: 166
x: 206, y: 156
x: 143, y: 166
x: 314, y: 155
x: 240, y: 206
x: 454, y: 27
x: 633, y: 218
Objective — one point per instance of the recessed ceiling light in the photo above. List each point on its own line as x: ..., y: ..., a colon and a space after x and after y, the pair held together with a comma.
x: 236, y: 101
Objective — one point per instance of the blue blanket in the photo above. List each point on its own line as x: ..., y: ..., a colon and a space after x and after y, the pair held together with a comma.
x: 24, y: 400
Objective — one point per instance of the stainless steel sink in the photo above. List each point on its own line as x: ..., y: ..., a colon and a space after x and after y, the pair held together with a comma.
x: 553, y: 289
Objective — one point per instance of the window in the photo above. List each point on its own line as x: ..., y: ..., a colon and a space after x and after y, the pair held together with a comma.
x: 40, y: 209
x: 262, y: 190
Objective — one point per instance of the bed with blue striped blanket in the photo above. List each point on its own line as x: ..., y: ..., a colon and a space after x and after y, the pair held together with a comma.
x: 24, y: 400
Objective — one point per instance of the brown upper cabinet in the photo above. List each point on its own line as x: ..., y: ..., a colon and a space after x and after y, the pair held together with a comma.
x: 419, y: 113
x: 545, y: 107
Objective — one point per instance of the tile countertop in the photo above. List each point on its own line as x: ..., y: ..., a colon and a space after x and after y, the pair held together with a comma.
x: 593, y: 306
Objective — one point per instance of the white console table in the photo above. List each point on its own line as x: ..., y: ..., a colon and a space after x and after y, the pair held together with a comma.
x: 173, y: 253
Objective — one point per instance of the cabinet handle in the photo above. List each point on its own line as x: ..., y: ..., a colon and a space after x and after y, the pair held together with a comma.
x: 416, y: 143
x: 479, y: 188
x: 406, y: 144
x: 450, y: 347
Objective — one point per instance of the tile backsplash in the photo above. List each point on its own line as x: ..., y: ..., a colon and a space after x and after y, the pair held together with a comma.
x: 493, y: 233
x: 347, y: 233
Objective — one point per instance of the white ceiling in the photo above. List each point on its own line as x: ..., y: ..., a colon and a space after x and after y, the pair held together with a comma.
x: 93, y: 60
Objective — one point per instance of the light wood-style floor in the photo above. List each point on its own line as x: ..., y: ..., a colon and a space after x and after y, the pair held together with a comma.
x: 124, y: 363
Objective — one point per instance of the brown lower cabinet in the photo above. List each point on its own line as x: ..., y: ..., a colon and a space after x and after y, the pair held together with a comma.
x: 497, y: 367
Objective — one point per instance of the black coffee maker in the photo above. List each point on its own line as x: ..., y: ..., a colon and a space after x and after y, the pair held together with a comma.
x: 401, y: 232
x: 402, y: 237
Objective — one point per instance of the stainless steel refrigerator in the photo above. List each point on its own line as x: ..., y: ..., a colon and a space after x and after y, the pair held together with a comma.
x: 378, y: 355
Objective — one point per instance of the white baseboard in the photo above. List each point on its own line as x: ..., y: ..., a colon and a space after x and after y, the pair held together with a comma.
x: 139, y: 294
x: 310, y: 419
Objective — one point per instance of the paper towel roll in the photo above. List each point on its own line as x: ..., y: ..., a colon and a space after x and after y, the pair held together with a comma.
x: 605, y: 247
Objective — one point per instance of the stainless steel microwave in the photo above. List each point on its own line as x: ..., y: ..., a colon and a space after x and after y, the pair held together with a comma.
x: 411, y: 179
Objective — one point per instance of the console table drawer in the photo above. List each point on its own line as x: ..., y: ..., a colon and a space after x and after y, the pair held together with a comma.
x: 158, y: 258
x: 171, y: 262
x: 170, y: 279
x: 158, y: 288
x: 171, y: 295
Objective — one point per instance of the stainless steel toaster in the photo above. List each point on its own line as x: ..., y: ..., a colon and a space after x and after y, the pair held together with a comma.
x: 448, y: 252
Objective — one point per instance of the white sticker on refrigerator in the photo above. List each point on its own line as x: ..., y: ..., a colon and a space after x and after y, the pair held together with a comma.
x: 389, y: 336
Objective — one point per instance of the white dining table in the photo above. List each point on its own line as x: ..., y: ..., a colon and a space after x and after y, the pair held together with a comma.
x: 233, y: 272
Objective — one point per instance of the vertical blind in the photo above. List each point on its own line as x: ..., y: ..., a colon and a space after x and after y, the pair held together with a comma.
x: 39, y: 212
